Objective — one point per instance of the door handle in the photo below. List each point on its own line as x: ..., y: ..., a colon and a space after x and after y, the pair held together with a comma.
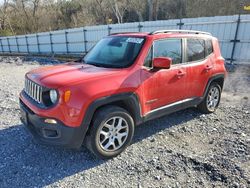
x: 180, y: 74
x: 208, y: 67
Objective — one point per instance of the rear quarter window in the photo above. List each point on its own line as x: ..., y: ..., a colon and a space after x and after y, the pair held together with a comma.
x: 209, y: 47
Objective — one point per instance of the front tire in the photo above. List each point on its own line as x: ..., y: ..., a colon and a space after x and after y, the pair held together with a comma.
x: 111, y: 131
x: 211, y: 100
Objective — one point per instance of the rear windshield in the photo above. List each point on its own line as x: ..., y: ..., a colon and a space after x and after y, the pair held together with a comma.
x: 115, y: 51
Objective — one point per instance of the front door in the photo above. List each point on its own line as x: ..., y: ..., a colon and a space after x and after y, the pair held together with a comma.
x: 165, y: 86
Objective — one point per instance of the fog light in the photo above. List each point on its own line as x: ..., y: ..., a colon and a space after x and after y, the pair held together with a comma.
x: 48, y: 133
x: 50, y: 121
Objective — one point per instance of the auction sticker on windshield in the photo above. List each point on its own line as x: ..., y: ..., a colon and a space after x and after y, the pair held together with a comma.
x: 135, y: 40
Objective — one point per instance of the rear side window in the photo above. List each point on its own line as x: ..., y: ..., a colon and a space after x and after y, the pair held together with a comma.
x: 195, y: 49
x: 209, y: 47
x: 169, y: 48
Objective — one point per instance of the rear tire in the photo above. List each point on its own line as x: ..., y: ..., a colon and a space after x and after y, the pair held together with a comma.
x: 211, y: 100
x: 111, y: 131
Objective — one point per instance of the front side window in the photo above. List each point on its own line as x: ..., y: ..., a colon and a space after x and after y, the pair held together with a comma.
x: 169, y: 48
x: 195, y: 49
x: 114, y: 51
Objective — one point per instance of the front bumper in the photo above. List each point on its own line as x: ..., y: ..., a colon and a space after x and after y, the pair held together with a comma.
x: 51, y: 134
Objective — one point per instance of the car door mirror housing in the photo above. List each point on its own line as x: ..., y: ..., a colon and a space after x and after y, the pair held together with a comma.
x: 162, y: 62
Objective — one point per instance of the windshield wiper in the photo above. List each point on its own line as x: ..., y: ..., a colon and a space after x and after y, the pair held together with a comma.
x: 102, y: 65
x: 96, y: 64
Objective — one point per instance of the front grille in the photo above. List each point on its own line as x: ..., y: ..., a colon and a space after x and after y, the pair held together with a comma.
x: 33, y: 90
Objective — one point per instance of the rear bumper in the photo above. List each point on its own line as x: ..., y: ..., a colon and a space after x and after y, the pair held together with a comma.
x: 51, y: 134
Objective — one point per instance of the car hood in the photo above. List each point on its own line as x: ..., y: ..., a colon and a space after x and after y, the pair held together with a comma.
x: 68, y: 73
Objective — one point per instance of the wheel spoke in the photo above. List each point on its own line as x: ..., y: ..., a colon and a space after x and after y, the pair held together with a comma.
x: 121, y: 135
x: 105, y: 134
x: 110, y: 143
x: 113, y: 123
x: 107, y: 126
x: 104, y: 140
x: 212, y: 103
x: 119, y: 139
x: 216, y: 92
x: 119, y: 125
x: 213, y: 91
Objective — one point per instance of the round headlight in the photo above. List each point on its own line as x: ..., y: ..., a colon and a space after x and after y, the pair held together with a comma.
x: 53, y: 96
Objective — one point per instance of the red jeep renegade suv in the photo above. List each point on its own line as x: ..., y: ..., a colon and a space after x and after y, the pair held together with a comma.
x: 125, y: 80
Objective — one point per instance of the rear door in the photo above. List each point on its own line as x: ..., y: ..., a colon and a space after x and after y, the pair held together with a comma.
x: 199, y: 58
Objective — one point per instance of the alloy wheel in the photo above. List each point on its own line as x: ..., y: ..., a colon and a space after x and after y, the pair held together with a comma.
x: 113, y: 134
x: 213, y: 98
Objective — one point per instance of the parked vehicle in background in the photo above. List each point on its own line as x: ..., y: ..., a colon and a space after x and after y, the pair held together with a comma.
x: 125, y: 80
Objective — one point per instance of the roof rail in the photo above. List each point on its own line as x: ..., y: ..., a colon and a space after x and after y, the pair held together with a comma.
x: 122, y: 33
x: 179, y: 31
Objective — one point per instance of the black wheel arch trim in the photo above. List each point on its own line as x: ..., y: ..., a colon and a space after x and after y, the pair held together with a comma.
x: 128, y: 98
x: 211, y: 79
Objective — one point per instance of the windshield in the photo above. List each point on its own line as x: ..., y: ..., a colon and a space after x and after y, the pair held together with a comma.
x: 114, y: 51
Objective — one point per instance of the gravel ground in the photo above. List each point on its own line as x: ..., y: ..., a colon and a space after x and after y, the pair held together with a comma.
x: 184, y: 149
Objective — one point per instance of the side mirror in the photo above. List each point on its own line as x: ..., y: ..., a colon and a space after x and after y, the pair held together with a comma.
x: 162, y: 62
